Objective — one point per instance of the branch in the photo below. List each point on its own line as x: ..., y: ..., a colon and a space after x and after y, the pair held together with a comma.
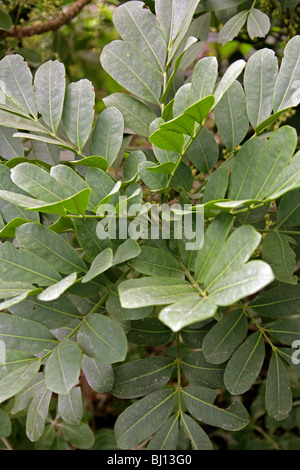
x: 52, y: 25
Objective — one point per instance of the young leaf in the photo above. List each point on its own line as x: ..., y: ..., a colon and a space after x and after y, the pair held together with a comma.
x: 56, y: 290
x: 143, y: 418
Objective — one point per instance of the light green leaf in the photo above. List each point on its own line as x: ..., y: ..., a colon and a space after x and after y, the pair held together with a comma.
x: 102, y: 339
x: 16, y: 121
x: 232, y: 28
x: 204, y: 78
x: 24, y: 397
x: 70, y: 406
x: 279, y: 399
x: 50, y: 85
x: 56, y: 290
x: 245, y: 365
x: 199, y: 401
x: 16, y: 82
x: 138, y: 378
x: 280, y: 256
x: 258, y: 24
x: 143, y: 418
x: 259, y: 81
x: 198, y: 438
x: 107, y: 135
x: 9, y: 146
x: 224, y: 337
x: 187, y: 311
x: 128, y: 250
x: 244, y: 281
x: 99, y: 376
x: 93, y: 161
x: 231, y: 116
x: 63, y: 367
x: 231, y: 74
x: 37, y: 414
x: 101, y: 263
x: 51, y: 247
x: 78, y: 113
x: 286, y: 92
x: 135, y: 293
x: 45, y: 152
x: 13, y: 288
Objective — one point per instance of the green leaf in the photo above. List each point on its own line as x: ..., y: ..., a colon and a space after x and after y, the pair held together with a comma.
x: 143, y: 418
x: 279, y: 399
x: 93, y: 161
x: 199, y: 372
x: 24, y: 397
x: 5, y: 23
x: 224, y: 337
x: 138, y: 378
x: 102, y: 339
x: 10, y: 289
x: 6, y: 304
x: 155, y: 181
x: 187, y: 311
x: 204, y: 78
x: 277, y: 302
x: 114, y: 308
x: 16, y: 82
x: 216, y: 187
x: 100, y: 183
x: 87, y: 237
x: 100, y: 376
x: 149, y: 332
x: 244, y: 281
x: 78, y: 113
x: 80, y: 436
x: 45, y: 152
x: 193, y: 337
x: 286, y: 92
x: 101, y: 263
x: 166, y: 438
x: 16, y: 380
x: 107, y: 135
x: 137, y: 116
x: 131, y: 164
x: 25, y: 266
x: 5, y: 423
x: 289, y: 209
x: 163, y: 156
x: 70, y: 406
x: 63, y: 367
x: 50, y: 85
x: 135, y: 293
x: 231, y: 74
x: 152, y: 261
x: 280, y: 256
x: 245, y: 365
x: 56, y: 290
x: 23, y: 334
x: 138, y: 27
x: 259, y: 82
x: 258, y: 24
x: 198, y: 438
x: 199, y: 402
x: 204, y: 151
x: 232, y: 28
x: 51, y: 247
x: 231, y: 116
x: 128, y: 250
x: 132, y: 70
x: 9, y: 146
x: 286, y: 331
x: 37, y: 414
x: 52, y: 314
x: 9, y: 119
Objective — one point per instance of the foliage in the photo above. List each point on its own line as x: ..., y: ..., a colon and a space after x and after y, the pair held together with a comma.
x: 178, y: 334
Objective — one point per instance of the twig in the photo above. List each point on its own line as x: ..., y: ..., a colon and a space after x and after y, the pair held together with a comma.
x: 52, y: 25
